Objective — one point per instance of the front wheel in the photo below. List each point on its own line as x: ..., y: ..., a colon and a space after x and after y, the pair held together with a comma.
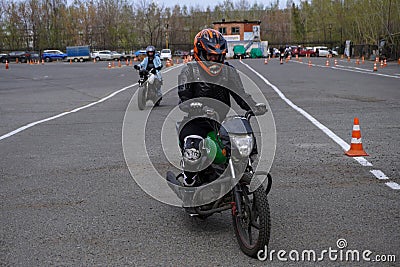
x: 142, y: 97
x: 252, y: 227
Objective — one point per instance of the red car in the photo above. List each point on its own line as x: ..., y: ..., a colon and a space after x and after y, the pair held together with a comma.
x: 306, y: 52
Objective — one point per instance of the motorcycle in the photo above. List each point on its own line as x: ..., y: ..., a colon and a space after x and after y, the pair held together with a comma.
x: 147, y: 88
x: 224, y: 165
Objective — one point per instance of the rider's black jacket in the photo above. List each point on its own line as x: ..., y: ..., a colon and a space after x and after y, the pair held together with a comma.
x: 194, y: 82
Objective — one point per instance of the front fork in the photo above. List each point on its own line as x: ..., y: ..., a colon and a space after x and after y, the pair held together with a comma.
x: 237, y: 191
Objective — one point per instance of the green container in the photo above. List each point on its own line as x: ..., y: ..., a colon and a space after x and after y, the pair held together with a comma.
x: 214, y: 145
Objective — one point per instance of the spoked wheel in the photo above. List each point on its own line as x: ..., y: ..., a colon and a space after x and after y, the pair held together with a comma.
x: 142, y: 97
x: 252, y: 227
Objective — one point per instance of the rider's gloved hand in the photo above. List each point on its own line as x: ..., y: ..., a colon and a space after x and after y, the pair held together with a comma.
x: 259, y: 109
x: 136, y: 67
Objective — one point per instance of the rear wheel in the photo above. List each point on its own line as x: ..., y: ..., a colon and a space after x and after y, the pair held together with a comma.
x: 142, y: 97
x: 252, y: 227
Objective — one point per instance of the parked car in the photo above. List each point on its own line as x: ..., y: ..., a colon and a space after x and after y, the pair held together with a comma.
x: 51, y: 55
x: 22, y: 57
x: 323, y: 51
x: 1, y: 57
x: 102, y: 55
x: 166, y: 54
x: 180, y: 53
x: 294, y: 50
x: 35, y: 56
x: 117, y: 56
x: 306, y: 52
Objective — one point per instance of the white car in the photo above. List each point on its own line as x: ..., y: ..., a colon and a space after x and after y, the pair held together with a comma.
x: 323, y: 51
x: 166, y: 54
x: 102, y: 55
x: 117, y: 56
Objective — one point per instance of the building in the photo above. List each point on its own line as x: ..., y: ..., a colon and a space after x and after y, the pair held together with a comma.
x: 244, y: 32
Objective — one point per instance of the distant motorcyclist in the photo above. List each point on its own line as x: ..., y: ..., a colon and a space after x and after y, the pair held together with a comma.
x: 282, y: 51
x: 152, y: 63
x: 208, y: 76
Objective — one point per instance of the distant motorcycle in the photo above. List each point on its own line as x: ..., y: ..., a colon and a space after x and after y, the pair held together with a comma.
x: 147, y: 88
x: 224, y: 162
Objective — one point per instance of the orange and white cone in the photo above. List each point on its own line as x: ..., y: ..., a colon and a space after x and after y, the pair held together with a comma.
x: 309, y: 64
x: 265, y: 61
x: 375, y: 67
x: 109, y: 65
x: 335, y: 62
x: 7, y: 65
x: 327, y: 63
x: 356, y: 148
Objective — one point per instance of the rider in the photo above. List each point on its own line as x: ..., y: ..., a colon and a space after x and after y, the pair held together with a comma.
x: 152, y: 63
x: 208, y: 76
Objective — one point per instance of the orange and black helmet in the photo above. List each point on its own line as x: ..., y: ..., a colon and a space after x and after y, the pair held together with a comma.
x: 209, y: 42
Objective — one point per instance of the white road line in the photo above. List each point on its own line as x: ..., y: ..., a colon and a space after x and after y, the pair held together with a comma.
x: 29, y: 125
x: 64, y: 113
x: 346, y: 68
x: 393, y: 185
x: 379, y: 174
x: 323, y: 128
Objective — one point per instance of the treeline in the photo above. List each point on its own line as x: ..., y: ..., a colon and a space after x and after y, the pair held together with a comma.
x: 126, y: 25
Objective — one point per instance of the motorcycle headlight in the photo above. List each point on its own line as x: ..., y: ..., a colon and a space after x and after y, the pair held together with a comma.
x: 243, y: 143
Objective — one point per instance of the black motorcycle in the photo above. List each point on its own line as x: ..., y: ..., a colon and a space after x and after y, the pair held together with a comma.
x: 147, y: 88
x: 226, y: 179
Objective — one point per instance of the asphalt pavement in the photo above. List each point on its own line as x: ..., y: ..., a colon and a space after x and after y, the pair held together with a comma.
x: 67, y: 197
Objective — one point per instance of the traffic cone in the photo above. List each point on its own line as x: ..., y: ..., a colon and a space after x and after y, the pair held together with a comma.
x: 384, y: 62
x: 377, y: 59
x: 398, y: 61
x: 94, y: 60
x: 127, y: 62
x: 70, y: 61
x: 265, y: 61
x: 309, y: 64
x: 42, y: 61
x: 375, y: 67
x: 119, y: 64
x: 168, y: 63
x: 335, y: 62
x: 6, y: 64
x: 362, y: 60
x: 109, y: 65
x: 357, y: 61
x: 327, y: 63
x: 356, y: 148
x: 281, y: 61
x: 113, y: 65
x: 381, y: 63
x: 16, y: 60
